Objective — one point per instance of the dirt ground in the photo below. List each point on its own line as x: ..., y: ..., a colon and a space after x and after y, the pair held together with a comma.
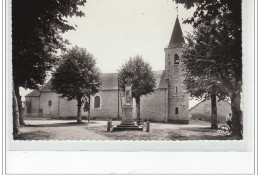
x: 96, y: 130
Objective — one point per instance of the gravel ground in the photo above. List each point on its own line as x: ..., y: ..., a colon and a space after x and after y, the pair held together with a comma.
x: 96, y: 130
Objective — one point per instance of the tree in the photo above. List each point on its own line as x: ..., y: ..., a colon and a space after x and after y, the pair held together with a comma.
x: 15, y: 115
x: 221, y: 23
x: 36, y: 36
x: 201, y: 81
x: 143, y: 79
x: 76, y: 77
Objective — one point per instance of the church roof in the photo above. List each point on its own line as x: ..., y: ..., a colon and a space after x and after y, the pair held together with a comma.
x: 177, y: 39
x: 47, y: 86
x: 161, y: 81
x: 34, y: 93
x: 109, y: 82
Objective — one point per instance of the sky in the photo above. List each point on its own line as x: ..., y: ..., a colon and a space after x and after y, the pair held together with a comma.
x: 115, y: 30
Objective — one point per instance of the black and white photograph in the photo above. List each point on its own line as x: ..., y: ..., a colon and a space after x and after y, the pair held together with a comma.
x: 127, y: 70
x: 129, y: 87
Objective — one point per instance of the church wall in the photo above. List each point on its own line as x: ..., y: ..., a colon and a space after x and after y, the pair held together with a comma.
x: 69, y: 109
x: 153, y: 106
x: 60, y: 107
x: 49, y: 110
x: 34, y: 106
x: 108, y: 107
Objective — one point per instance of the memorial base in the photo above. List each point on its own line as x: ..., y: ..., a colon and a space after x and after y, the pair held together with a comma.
x: 127, y: 122
x: 124, y: 127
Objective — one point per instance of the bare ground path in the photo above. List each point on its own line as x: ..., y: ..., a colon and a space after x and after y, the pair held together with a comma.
x: 96, y: 130
x: 59, y: 130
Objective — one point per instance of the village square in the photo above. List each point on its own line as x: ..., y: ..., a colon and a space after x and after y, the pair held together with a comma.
x: 71, y: 99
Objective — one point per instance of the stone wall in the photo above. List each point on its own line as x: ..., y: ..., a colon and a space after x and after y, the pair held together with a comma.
x: 108, y: 107
x: 69, y: 109
x: 62, y: 108
x: 153, y: 106
x: 59, y: 107
x: 49, y: 104
x: 178, y: 99
x: 34, y: 101
x: 202, y: 110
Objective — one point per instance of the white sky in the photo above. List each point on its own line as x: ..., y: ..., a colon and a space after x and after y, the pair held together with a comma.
x: 114, y: 30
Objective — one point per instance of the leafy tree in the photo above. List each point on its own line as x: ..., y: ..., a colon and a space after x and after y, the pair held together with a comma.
x: 143, y: 79
x: 76, y: 77
x: 200, y: 80
x: 219, y: 23
x: 36, y: 36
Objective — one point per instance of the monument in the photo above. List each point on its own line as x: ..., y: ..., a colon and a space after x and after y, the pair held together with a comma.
x: 127, y: 122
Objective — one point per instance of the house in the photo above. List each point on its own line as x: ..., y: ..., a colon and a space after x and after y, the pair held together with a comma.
x: 202, y: 110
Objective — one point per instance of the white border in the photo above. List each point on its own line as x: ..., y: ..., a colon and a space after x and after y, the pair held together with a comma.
x: 139, y: 162
x: 248, y: 109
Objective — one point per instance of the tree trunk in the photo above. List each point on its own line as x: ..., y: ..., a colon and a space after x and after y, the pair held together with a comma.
x: 15, y: 115
x: 214, y: 120
x: 138, y: 108
x: 19, y: 104
x: 79, y: 110
x: 236, y: 114
x: 88, y: 108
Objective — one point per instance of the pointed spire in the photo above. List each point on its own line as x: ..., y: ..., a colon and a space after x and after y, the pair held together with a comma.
x: 177, y: 39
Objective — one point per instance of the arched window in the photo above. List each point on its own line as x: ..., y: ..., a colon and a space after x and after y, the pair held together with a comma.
x: 176, y: 89
x: 28, y: 106
x: 176, y: 59
x: 97, y: 102
x: 49, y: 102
x: 176, y: 110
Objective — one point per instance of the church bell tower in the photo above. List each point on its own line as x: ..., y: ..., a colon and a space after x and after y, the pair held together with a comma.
x: 178, y: 98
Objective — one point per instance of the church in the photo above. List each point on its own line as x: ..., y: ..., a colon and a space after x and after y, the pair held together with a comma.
x: 168, y: 103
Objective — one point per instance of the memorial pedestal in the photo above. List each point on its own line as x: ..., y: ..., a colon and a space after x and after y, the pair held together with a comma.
x: 127, y: 122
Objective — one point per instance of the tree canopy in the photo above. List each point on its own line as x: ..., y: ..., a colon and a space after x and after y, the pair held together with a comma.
x: 143, y: 78
x: 203, y: 72
x: 36, y: 36
x: 214, y: 51
x: 76, y: 76
x: 219, y: 25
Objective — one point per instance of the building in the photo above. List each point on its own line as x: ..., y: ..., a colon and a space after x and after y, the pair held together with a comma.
x: 202, y: 111
x: 168, y: 102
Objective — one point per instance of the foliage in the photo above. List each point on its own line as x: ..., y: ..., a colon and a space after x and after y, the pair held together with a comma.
x: 36, y: 36
x: 216, y: 49
x: 143, y: 78
x: 202, y: 71
x: 76, y: 75
x: 218, y: 26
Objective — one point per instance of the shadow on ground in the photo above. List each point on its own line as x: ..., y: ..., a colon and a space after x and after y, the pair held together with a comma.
x: 199, y: 134
x: 58, y: 124
x: 98, y: 130
x: 33, y: 135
